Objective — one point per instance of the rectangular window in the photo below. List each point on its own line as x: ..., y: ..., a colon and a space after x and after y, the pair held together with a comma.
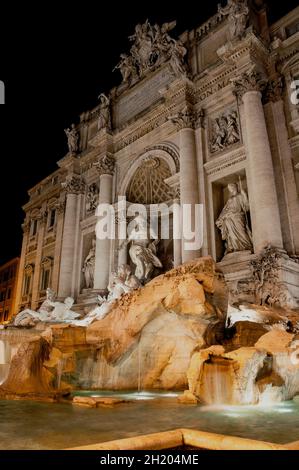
x: 27, y: 283
x: 52, y: 218
x: 6, y: 315
x: 292, y: 29
x: 33, y: 228
x: 8, y: 295
x: 2, y: 296
x: 45, y: 279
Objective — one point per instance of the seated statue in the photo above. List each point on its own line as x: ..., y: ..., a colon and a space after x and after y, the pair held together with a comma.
x: 50, y: 311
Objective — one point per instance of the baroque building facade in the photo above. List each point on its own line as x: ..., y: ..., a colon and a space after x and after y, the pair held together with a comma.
x: 207, y: 118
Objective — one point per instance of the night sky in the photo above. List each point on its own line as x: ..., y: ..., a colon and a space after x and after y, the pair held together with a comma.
x: 55, y: 62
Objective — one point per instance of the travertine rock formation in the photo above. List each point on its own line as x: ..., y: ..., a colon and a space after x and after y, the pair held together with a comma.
x: 146, y: 341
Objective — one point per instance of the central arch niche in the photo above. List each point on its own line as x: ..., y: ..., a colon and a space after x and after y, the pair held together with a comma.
x: 147, y: 185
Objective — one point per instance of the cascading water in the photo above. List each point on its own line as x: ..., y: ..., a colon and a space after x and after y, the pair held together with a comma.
x: 217, y: 381
x: 5, y: 357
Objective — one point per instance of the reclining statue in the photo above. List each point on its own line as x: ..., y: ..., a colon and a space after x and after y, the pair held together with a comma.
x: 120, y: 283
x: 50, y: 311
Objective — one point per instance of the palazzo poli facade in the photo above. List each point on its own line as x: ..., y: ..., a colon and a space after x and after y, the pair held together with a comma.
x: 207, y: 118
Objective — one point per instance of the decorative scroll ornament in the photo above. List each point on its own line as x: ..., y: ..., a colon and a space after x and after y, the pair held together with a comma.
x: 187, y: 118
x: 251, y: 80
x: 60, y: 207
x: 74, y: 184
x: 29, y: 269
x: 105, y: 165
x: 152, y: 46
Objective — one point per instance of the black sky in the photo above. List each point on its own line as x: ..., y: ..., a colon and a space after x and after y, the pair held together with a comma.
x: 55, y: 60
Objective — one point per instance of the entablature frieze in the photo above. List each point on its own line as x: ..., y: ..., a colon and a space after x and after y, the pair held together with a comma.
x: 225, y: 161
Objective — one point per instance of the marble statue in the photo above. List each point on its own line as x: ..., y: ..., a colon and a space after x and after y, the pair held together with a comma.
x: 237, y: 12
x: 143, y: 251
x: 233, y: 222
x: 72, y: 139
x: 49, y: 312
x: 178, y: 53
x: 127, y: 68
x: 104, y: 119
x: 121, y: 282
x: 152, y: 46
x: 89, y: 265
x: 225, y: 131
x: 92, y: 198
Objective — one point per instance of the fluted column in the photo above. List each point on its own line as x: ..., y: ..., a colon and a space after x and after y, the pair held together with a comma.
x: 38, y: 259
x: 105, y: 168
x: 186, y: 121
x: 74, y: 187
x: 21, y: 271
x: 283, y: 164
x: 60, y: 209
x: 266, y: 224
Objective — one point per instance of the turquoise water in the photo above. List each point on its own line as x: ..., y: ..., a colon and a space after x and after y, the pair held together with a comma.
x: 31, y: 425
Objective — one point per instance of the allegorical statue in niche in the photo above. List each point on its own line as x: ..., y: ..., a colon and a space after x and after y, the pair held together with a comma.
x: 238, y: 13
x: 233, y: 222
x: 143, y: 251
x: 72, y: 139
x: 89, y: 266
x: 104, y: 112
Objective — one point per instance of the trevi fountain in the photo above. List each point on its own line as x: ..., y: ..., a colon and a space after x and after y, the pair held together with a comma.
x: 145, y: 339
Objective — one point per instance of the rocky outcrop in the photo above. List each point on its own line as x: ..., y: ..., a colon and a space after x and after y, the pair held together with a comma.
x: 146, y: 341
x: 264, y: 373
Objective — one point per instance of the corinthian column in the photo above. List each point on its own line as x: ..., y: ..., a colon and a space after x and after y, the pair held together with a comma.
x: 74, y: 187
x: 105, y: 168
x: 186, y: 122
x: 266, y: 225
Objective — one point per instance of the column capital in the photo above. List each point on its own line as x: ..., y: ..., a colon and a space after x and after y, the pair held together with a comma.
x: 252, y: 80
x: 187, y: 118
x: 74, y: 184
x: 106, y: 165
x: 274, y: 89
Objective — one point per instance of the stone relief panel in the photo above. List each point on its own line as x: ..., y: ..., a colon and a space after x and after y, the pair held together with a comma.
x: 92, y: 198
x: 224, y: 131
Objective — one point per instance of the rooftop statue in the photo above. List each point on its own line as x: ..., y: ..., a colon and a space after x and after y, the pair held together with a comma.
x: 152, y: 46
x: 104, y: 120
x: 72, y: 139
x: 237, y: 12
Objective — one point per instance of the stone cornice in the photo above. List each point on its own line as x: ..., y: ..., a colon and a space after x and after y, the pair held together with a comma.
x: 225, y: 161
